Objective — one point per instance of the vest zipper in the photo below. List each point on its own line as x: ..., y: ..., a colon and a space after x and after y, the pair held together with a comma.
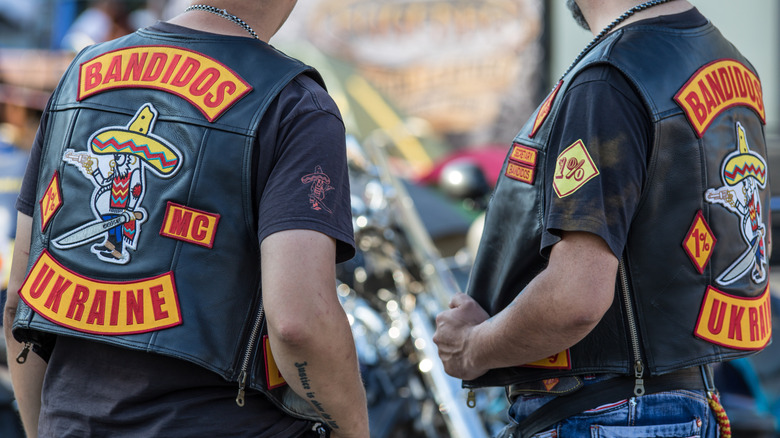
x: 248, y: 355
x: 639, y: 368
x: 22, y: 356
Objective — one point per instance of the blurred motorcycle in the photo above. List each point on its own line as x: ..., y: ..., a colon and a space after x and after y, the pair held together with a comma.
x: 392, y: 291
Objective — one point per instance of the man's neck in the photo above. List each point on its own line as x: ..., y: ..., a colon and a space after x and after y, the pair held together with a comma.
x: 600, y: 13
x: 264, y: 18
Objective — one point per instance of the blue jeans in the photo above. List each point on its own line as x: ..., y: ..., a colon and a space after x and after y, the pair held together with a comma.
x: 682, y: 413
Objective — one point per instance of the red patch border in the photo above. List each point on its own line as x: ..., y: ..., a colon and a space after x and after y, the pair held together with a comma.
x: 168, y: 209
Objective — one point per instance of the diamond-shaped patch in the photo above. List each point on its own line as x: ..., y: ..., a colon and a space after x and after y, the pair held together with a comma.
x: 574, y: 167
x: 51, y: 201
x: 699, y: 242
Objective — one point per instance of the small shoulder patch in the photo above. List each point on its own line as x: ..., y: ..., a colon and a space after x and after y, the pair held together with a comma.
x: 522, y: 163
x: 573, y: 169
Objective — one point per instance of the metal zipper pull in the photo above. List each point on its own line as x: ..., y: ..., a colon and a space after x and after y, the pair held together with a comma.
x: 320, y: 430
x: 639, y: 385
x: 22, y: 356
x: 471, y: 399
x: 241, y: 389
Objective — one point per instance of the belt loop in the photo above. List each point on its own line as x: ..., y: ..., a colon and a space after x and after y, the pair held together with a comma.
x: 708, y: 377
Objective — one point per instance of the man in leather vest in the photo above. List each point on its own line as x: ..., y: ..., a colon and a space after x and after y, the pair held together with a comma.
x: 626, y: 243
x: 172, y: 276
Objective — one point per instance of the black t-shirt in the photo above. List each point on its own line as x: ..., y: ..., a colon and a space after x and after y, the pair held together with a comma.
x: 92, y: 389
x: 601, y: 136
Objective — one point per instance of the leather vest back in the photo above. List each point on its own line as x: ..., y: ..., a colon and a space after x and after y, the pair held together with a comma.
x: 693, y: 282
x: 145, y: 235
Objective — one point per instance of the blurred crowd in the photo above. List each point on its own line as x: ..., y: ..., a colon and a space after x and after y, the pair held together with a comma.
x: 37, y: 40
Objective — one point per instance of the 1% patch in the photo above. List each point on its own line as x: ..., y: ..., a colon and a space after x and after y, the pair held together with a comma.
x: 699, y: 242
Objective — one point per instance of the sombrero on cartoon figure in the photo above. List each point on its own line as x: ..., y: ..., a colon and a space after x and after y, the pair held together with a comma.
x: 743, y: 163
x: 137, y: 139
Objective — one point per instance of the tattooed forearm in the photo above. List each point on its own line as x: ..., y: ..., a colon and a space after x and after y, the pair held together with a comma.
x: 311, y: 396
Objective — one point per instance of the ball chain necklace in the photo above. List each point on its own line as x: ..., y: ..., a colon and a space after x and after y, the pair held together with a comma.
x: 224, y: 14
x: 609, y: 28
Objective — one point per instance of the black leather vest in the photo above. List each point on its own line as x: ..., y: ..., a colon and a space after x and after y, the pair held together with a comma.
x: 145, y: 234
x: 693, y: 282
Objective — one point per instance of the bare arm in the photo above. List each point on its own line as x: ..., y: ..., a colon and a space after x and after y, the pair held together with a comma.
x: 27, y: 378
x: 555, y: 311
x: 309, y: 332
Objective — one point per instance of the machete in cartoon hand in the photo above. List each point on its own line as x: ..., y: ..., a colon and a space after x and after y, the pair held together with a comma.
x: 744, y: 175
x: 116, y: 165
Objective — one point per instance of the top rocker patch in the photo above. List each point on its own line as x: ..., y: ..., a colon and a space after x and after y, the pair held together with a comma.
x: 716, y: 87
x: 208, y: 85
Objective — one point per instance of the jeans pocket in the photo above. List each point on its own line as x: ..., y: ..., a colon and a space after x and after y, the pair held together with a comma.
x: 691, y: 429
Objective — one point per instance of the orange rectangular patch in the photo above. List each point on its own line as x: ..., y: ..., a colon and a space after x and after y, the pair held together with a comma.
x: 524, y: 155
x: 207, y: 84
x: 190, y: 225
x: 272, y: 374
x: 519, y: 172
x: 716, y: 87
x: 560, y: 361
x: 92, y: 306
x: 735, y: 322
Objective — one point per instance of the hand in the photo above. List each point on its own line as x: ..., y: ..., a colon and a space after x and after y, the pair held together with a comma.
x: 454, y: 331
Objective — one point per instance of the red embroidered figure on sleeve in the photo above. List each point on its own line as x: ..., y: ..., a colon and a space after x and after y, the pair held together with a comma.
x: 320, y: 184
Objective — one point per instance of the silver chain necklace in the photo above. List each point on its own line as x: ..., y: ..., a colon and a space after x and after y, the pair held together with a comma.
x: 224, y: 14
x: 609, y: 28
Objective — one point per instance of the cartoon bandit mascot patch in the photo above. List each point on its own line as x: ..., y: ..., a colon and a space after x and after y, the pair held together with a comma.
x: 116, y: 163
x: 744, y: 174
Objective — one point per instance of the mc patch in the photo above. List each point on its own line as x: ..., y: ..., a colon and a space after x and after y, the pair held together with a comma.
x: 699, y: 242
x: 190, y: 225
x: 573, y: 169
x: 51, y: 201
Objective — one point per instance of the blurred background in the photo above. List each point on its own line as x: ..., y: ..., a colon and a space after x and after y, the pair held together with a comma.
x: 432, y: 93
